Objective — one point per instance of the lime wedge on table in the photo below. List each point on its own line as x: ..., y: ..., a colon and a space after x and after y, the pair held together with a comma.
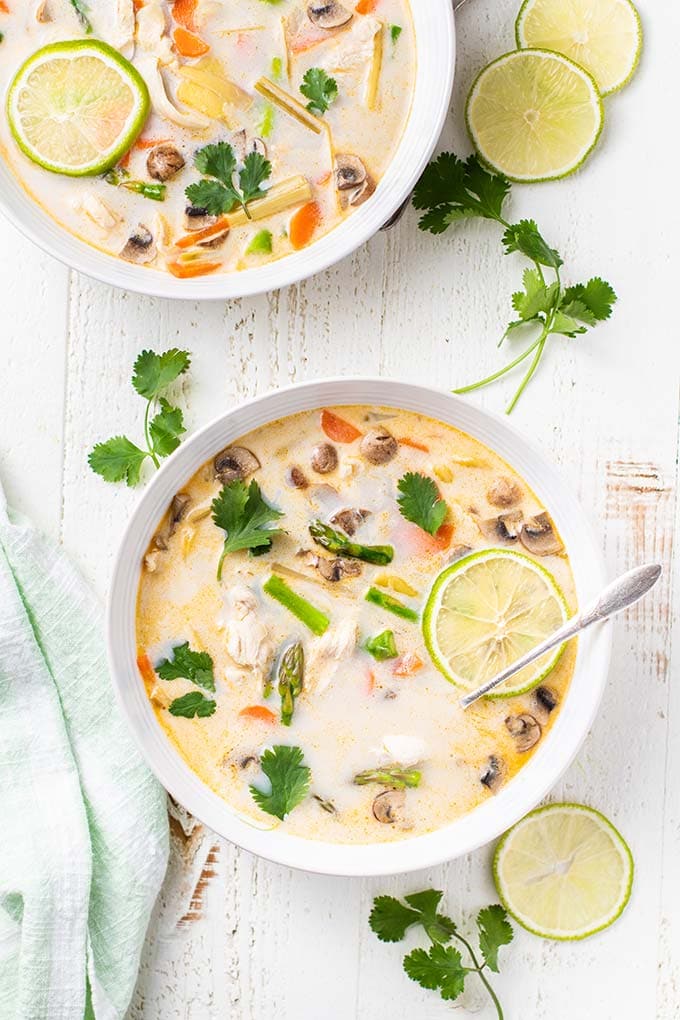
x: 604, y: 36
x: 564, y: 872
x: 485, y: 611
x: 534, y: 115
x: 76, y: 107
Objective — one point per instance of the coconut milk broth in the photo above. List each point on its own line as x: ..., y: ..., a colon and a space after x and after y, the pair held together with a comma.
x: 246, y: 55
x: 348, y: 708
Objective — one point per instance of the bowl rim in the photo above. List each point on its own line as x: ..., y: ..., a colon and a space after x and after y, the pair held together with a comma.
x: 495, y: 815
x: 429, y: 109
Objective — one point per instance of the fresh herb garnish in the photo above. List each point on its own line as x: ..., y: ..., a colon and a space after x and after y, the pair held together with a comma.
x: 451, y: 190
x: 421, y: 503
x: 119, y: 459
x: 320, y: 89
x: 120, y: 178
x: 335, y: 542
x: 187, y: 664
x: 442, y: 968
x: 289, y: 780
x: 395, y: 776
x: 224, y: 186
x: 395, y: 32
x: 193, y: 704
x: 382, y: 646
x: 81, y: 10
x: 244, y: 516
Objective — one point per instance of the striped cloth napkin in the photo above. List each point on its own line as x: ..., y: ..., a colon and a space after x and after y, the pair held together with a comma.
x: 83, y: 825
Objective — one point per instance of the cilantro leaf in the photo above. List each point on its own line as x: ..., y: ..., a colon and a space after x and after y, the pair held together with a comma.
x: 212, y: 196
x: 597, y: 295
x: 439, y: 927
x: 390, y: 919
x: 421, y: 503
x: 154, y: 372
x: 566, y: 325
x: 289, y: 780
x: 451, y: 189
x: 494, y: 931
x: 382, y: 646
x: 193, y: 704
x: 256, y: 170
x: 187, y: 664
x: 244, y: 516
x: 320, y: 89
x: 441, y: 968
x: 217, y: 160
x: 219, y: 193
x: 525, y: 238
x: 117, y: 460
x: 395, y: 32
x: 166, y: 429
x: 537, y: 298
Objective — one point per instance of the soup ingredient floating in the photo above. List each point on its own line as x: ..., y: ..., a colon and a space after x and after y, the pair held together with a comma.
x: 76, y: 107
x: 442, y: 968
x: 564, y: 872
x: 289, y: 780
x: 603, y: 36
x: 485, y: 612
x: 534, y: 115
x: 451, y: 190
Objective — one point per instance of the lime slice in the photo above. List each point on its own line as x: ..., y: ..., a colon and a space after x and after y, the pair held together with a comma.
x: 534, y: 115
x: 76, y: 107
x: 484, y: 612
x: 563, y: 872
x: 604, y: 36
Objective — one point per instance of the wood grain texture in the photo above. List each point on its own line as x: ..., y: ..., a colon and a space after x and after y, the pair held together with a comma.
x: 236, y: 938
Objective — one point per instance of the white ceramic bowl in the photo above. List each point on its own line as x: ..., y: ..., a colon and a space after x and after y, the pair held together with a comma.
x: 435, y: 45
x: 496, y: 814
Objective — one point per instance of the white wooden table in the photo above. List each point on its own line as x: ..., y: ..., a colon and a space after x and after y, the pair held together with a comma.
x: 237, y: 938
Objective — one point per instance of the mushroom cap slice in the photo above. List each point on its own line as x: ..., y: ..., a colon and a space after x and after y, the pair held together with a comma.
x: 539, y: 537
x: 379, y: 446
x: 504, y: 528
x: 491, y: 775
x: 140, y: 246
x: 388, y: 806
x: 324, y: 458
x: 525, y: 730
x: 504, y: 492
x: 328, y: 14
x: 164, y: 162
x: 350, y: 519
x: 234, y: 464
x: 349, y: 171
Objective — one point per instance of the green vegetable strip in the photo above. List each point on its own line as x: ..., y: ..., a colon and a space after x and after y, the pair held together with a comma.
x: 379, y: 598
x: 382, y: 647
x: 314, y: 618
x: 335, y: 542
x: 396, y: 776
x: 291, y: 679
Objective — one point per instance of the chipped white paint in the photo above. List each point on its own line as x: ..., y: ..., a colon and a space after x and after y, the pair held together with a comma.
x: 235, y: 938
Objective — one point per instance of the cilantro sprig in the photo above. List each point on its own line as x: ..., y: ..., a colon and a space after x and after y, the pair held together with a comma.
x: 186, y: 664
x: 224, y: 184
x: 289, y: 780
x: 320, y: 89
x: 441, y: 967
x: 119, y: 459
x: 451, y: 190
x: 244, y: 516
x: 419, y: 502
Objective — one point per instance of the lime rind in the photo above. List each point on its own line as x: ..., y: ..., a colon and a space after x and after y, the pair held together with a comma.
x: 618, y: 842
x: 562, y: 172
x: 135, y: 121
x: 433, y: 602
x: 522, y: 44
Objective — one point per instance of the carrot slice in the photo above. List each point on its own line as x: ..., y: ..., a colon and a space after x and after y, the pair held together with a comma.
x: 415, y: 445
x: 145, y: 668
x: 150, y: 143
x: 137, y: 4
x: 370, y: 682
x: 4, y: 9
x: 183, y: 11
x: 442, y: 538
x: 189, y: 240
x: 407, y: 664
x: 303, y: 224
x: 366, y: 6
x: 188, y: 43
x: 187, y: 270
x: 258, y: 712
x: 337, y: 429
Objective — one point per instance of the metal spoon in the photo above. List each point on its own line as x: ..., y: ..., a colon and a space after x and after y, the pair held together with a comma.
x: 620, y: 594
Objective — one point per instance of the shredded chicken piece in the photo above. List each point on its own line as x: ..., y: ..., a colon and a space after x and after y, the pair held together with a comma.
x: 149, y: 67
x: 152, y: 34
x: 41, y: 12
x: 328, y: 651
x: 248, y: 641
x: 96, y: 210
x: 354, y: 49
x: 400, y: 749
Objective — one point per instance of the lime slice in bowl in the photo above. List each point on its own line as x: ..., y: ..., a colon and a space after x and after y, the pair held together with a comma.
x: 564, y: 872
x: 484, y: 612
x: 76, y: 107
x: 534, y: 115
x: 603, y: 36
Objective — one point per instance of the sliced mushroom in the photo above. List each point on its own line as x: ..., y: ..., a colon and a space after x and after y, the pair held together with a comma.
x: 505, y: 528
x: 358, y: 195
x: 196, y: 217
x: 379, y: 446
x: 324, y: 458
x: 492, y: 773
x: 140, y: 246
x: 215, y: 242
x: 242, y: 147
x: 546, y: 701
x: 179, y: 508
x: 349, y: 171
x: 249, y: 762
x: 328, y: 14
x: 338, y: 568
x: 539, y: 537
x: 388, y: 807
x: 326, y: 805
x: 350, y: 519
x: 164, y: 162
x: 504, y: 492
x: 296, y: 477
x: 234, y: 464
x: 525, y: 730
x: 258, y: 145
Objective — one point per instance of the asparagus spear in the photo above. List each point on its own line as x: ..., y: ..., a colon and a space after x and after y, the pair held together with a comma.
x: 396, y: 776
x: 338, y: 543
x: 291, y: 678
x: 383, y: 646
x: 379, y: 598
x: 314, y: 618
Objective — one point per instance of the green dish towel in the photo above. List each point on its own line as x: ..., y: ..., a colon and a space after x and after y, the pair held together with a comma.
x: 83, y: 824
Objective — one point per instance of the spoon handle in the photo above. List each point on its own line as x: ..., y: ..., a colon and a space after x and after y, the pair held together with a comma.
x: 617, y: 596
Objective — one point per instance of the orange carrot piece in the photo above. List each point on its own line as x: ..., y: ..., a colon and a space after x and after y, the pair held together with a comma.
x: 258, y: 712
x: 370, y: 681
x: 443, y: 537
x: 337, y: 429
x: 303, y: 224
x: 137, y: 4
x: 183, y: 11
x: 189, y: 240
x: 145, y: 668
x: 4, y: 9
x: 150, y: 143
x: 366, y: 6
x: 188, y: 44
x: 407, y: 664
x: 415, y: 445
x: 188, y: 270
